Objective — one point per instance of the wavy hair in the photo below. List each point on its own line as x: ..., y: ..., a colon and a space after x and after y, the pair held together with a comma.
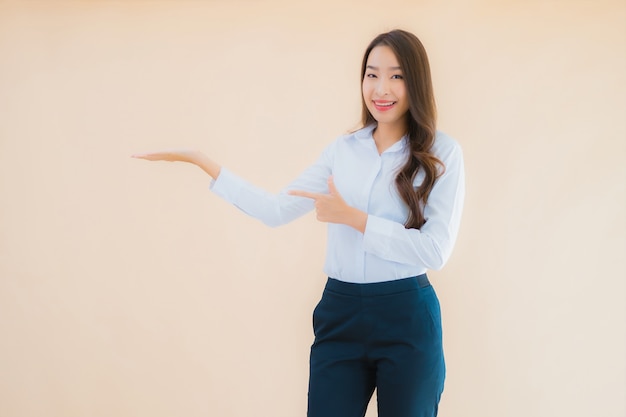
x: 421, y: 120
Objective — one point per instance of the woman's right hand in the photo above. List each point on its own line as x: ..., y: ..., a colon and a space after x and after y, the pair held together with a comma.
x: 183, y: 155
x: 173, y: 155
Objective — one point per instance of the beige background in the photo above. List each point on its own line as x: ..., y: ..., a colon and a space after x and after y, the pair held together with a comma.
x: 128, y: 289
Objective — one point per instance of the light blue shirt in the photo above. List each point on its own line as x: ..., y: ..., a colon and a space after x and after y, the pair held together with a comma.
x: 366, y: 180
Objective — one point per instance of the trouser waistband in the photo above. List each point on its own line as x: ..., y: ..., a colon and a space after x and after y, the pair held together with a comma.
x: 377, y: 288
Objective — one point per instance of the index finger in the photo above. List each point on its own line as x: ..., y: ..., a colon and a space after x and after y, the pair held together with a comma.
x: 140, y: 155
x: 306, y: 194
x: 151, y: 156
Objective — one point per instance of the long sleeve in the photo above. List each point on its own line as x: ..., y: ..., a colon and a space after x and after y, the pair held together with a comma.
x: 432, y: 245
x: 275, y: 209
x: 366, y: 181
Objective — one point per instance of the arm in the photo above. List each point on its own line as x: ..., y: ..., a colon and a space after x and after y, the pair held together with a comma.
x: 271, y: 209
x: 429, y: 246
x: 432, y: 244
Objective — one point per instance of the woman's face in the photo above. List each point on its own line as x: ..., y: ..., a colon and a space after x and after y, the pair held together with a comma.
x: 384, y: 89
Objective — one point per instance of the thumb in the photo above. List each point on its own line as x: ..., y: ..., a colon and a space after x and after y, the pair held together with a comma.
x: 332, y: 189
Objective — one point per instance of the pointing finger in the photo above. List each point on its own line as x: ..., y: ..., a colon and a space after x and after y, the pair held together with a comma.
x: 306, y: 194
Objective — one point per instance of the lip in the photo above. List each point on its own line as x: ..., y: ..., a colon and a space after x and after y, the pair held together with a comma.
x: 384, y: 105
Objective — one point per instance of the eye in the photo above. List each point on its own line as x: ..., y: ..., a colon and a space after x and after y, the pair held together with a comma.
x: 370, y: 75
x: 397, y: 77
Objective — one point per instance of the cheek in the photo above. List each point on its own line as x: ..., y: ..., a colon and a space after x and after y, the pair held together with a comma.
x: 365, y: 90
x: 367, y: 96
x: 401, y: 92
x: 404, y: 98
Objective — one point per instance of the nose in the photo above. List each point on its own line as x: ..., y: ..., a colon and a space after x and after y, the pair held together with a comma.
x: 382, y: 86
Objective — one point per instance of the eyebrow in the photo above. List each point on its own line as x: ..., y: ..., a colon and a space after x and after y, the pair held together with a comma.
x: 376, y: 68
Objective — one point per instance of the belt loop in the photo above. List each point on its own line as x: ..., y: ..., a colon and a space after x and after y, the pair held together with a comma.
x: 422, y: 280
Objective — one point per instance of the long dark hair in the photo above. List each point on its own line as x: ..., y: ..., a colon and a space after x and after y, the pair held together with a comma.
x: 421, y: 120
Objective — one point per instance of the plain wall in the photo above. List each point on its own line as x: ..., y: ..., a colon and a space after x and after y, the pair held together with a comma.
x: 128, y: 289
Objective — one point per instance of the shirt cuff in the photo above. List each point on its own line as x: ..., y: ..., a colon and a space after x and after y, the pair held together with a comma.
x: 227, y: 185
x: 376, y: 235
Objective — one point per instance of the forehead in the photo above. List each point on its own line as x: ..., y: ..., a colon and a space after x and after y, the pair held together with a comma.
x: 382, y: 57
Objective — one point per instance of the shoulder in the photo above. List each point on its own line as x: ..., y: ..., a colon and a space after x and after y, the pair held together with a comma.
x: 352, y: 138
x: 446, y: 147
x: 362, y: 134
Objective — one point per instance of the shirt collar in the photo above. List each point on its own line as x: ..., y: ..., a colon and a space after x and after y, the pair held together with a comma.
x: 366, y: 134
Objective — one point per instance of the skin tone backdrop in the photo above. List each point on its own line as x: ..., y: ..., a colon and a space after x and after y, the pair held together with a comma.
x: 128, y: 289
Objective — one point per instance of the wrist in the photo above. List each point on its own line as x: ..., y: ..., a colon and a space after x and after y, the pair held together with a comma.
x: 357, y: 219
x: 206, y: 164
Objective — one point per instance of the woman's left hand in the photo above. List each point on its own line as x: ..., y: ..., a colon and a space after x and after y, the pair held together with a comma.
x: 332, y: 208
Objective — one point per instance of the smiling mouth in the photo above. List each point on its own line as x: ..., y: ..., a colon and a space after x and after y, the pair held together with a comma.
x: 384, y: 105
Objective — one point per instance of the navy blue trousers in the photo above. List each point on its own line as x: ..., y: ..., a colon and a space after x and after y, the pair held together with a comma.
x: 384, y: 336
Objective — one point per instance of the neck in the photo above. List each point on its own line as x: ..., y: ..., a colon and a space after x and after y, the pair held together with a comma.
x: 386, y: 135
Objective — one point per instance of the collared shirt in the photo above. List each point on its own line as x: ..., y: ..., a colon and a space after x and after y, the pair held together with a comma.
x: 366, y: 180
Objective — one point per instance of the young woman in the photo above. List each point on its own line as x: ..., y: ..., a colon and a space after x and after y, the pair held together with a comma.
x: 392, y: 195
